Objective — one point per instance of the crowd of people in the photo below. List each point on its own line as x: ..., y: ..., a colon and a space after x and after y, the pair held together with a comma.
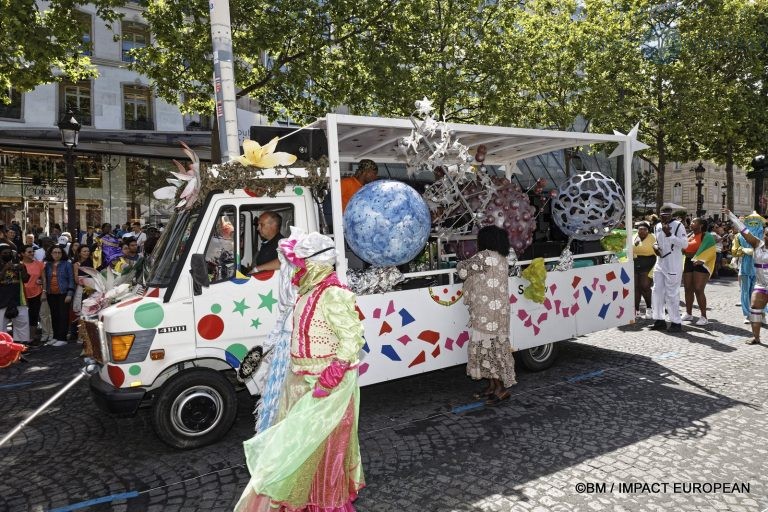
x: 672, y: 252
x: 42, y: 284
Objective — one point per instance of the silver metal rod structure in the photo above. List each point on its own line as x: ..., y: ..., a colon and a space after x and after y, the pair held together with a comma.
x: 89, y: 369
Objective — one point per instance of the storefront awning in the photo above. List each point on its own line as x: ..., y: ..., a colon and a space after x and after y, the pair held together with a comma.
x: 140, y: 144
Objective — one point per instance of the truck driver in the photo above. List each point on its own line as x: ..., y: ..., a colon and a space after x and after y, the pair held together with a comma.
x: 269, y: 232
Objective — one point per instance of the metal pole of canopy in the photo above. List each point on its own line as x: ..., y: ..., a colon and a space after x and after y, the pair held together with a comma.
x: 224, y: 79
x: 335, y: 183
x: 627, y: 160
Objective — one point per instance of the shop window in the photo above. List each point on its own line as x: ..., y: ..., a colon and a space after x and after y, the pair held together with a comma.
x: 220, y: 250
x: 135, y: 35
x: 137, y: 108
x: 76, y: 96
x: 12, y: 109
x: 84, y: 20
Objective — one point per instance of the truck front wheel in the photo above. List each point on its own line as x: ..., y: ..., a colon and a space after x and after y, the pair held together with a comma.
x: 194, y: 408
x: 539, y: 358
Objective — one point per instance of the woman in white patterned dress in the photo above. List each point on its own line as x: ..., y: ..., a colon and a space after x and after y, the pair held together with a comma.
x: 486, y: 294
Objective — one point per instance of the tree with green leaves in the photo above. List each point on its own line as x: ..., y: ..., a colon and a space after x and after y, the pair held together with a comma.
x: 644, y: 188
x: 647, y: 74
x: 452, y: 51
x: 291, y: 56
x: 43, y: 45
x: 728, y: 50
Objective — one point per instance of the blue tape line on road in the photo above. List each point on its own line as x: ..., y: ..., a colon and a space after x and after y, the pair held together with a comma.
x: 15, y: 385
x: 468, y: 407
x: 585, y: 376
x: 96, y: 501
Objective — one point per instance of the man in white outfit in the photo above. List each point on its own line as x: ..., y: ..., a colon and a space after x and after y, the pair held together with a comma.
x: 671, y: 240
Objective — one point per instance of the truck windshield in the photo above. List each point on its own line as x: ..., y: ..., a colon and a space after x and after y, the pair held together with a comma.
x: 170, y: 247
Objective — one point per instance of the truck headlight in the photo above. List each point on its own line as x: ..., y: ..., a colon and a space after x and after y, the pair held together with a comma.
x: 121, y: 345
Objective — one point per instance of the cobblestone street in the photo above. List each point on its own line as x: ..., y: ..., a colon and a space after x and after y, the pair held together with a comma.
x: 620, y: 406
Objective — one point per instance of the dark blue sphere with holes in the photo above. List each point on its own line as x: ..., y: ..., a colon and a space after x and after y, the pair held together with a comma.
x: 387, y: 223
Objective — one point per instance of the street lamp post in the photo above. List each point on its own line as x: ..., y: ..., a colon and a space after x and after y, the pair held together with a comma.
x: 699, y: 172
x: 70, y: 129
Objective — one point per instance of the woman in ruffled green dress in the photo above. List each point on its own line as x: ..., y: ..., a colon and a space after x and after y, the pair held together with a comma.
x: 309, y: 460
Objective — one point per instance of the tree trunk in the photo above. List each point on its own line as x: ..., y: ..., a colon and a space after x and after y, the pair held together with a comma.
x: 729, y: 176
x: 660, y: 145
x: 661, y: 149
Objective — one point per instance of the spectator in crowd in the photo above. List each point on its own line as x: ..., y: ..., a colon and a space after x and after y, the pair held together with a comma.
x: 13, y: 307
x: 33, y: 290
x: 29, y: 239
x: 60, y: 287
x: 12, y: 239
x: 140, y: 236
x: 45, y: 244
x: 671, y: 238
x: 74, y: 250
x: 487, y: 298
x: 645, y: 259
x: 153, y: 235
x: 82, y: 292
x: 107, y: 247
x: 700, y: 258
x: 63, y: 242
x: 129, y: 255
x: 4, y: 238
x: 17, y: 229
x: 88, y: 238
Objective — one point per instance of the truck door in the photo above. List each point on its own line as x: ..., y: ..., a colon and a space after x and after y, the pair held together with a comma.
x: 239, y: 307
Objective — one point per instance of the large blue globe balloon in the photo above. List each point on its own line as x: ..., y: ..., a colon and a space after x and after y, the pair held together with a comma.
x: 387, y: 223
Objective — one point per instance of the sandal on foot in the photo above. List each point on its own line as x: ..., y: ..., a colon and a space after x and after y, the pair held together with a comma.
x: 751, y: 341
x: 482, y: 394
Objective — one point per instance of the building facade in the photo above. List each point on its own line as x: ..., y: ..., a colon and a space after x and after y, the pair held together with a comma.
x: 127, y: 141
x: 680, y: 188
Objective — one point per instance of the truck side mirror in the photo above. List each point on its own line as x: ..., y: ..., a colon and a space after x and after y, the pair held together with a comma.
x: 199, y: 271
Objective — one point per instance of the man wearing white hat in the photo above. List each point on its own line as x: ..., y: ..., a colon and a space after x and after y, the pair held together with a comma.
x: 671, y: 239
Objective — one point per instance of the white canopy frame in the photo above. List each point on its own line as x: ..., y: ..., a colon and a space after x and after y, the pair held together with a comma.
x: 353, y: 137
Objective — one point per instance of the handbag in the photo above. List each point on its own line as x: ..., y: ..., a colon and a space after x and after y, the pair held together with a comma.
x: 11, y: 312
x: 255, y: 366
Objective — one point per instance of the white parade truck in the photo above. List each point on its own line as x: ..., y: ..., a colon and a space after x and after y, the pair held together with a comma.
x: 175, y: 347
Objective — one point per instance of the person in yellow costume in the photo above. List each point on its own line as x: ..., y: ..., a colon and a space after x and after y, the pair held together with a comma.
x: 309, y: 459
x: 644, y: 260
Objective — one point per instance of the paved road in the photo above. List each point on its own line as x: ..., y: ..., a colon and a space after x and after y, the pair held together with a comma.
x: 622, y: 408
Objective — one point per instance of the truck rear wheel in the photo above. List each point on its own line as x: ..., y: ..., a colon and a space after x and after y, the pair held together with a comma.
x: 194, y: 408
x: 539, y: 358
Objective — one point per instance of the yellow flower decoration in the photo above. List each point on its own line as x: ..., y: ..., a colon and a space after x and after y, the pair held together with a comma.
x: 264, y: 157
x: 536, y: 274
